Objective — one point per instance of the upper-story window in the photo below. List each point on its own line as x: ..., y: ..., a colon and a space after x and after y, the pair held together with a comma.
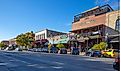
x: 117, y: 25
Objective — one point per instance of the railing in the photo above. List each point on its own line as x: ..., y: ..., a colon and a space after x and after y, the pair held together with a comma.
x: 97, y: 11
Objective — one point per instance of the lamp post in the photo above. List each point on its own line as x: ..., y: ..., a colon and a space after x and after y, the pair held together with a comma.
x: 87, y: 38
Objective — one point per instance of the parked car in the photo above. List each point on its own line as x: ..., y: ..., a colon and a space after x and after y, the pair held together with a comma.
x: 18, y: 49
x: 38, y: 50
x: 34, y: 49
x: 88, y: 53
x: 44, y: 49
x: 103, y: 52
x: 53, y: 50
x: 75, y: 51
x: 116, y: 64
x: 63, y: 51
x: 95, y: 53
x: 111, y: 53
x: 30, y: 49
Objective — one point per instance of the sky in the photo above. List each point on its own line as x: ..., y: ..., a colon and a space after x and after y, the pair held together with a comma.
x: 21, y: 16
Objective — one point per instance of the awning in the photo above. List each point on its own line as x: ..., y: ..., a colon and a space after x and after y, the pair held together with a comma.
x: 114, y: 39
x: 63, y: 41
x: 93, y: 37
x: 59, y: 41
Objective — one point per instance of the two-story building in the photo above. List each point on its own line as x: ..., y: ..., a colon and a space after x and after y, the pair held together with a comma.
x: 42, y: 36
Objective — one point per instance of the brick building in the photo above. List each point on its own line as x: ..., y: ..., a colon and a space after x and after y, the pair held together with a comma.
x: 96, y: 25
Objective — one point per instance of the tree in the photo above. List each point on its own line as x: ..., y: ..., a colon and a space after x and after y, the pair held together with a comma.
x: 2, y: 45
x: 25, y: 39
x: 95, y: 47
x: 100, y: 46
x: 60, y: 46
x: 49, y: 46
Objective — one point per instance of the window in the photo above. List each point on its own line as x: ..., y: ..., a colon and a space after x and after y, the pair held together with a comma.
x: 117, y: 25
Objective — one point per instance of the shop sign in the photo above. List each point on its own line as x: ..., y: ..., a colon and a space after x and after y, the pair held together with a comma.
x: 63, y: 36
x: 88, y: 22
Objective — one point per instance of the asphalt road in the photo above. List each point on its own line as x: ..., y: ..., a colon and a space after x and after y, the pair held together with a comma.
x: 28, y: 61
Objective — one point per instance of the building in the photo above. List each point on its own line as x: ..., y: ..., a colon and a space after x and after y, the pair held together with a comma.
x: 63, y: 39
x: 12, y: 42
x: 44, y: 34
x: 41, y: 37
x: 96, y: 25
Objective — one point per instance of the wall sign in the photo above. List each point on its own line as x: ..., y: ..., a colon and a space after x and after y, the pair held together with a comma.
x: 88, y: 22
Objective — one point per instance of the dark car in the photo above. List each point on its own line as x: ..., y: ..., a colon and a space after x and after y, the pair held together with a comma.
x: 38, y: 50
x: 88, y: 53
x: 34, y: 50
x: 45, y: 49
x: 75, y: 51
x: 116, y: 64
x: 95, y: 54
x: 63, y: 51
x: 53, y: 50
x: 30, y: 49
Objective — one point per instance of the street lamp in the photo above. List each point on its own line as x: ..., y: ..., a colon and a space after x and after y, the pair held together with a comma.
x: 87, y: 38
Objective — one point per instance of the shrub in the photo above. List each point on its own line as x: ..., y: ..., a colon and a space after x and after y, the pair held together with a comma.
x: 60, y: 46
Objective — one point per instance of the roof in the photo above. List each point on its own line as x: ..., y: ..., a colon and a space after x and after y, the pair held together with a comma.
x: 91, y: 9
x: 49, y: 30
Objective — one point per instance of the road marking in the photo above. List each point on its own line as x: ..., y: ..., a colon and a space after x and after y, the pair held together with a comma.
x: 55, y: 67
x: 32, y: 65
x: 42, y: 67
x: 2, y: 64
x: 59, y: 63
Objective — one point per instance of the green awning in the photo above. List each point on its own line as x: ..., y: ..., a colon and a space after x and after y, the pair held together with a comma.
x: 93, y: 37
x: 63, y: 40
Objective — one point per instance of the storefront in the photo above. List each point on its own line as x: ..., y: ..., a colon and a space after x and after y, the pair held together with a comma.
x: 92, y: 26
x: 60, y: 39
x: 41, y: 43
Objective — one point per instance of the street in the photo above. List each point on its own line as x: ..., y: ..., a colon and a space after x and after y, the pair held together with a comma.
x: 36, y: 61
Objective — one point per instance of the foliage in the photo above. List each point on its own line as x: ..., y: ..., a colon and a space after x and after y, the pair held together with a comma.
x: 25, y: 39
x: 49, y: 46
x: 60, y: 46
x: 95, y: 47
x: 100, y: 46
x: 2, y: 45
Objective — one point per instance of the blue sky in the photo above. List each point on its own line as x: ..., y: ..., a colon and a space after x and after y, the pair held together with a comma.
x: 20, y: 16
